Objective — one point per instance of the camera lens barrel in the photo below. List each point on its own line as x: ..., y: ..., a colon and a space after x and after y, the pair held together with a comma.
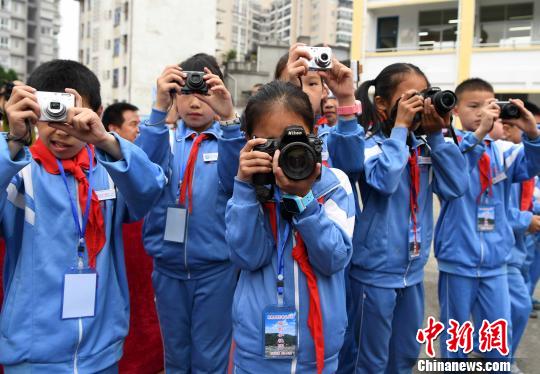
x: 508, y: 110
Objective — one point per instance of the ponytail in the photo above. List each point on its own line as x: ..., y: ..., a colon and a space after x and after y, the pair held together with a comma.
x: 369, y: 112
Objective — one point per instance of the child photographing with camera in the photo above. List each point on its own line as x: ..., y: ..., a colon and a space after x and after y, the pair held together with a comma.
x: 473, y: 237
x: 292, y: 247
x: 193, y: 279
x: 401, y: 172
x: 62, y: 206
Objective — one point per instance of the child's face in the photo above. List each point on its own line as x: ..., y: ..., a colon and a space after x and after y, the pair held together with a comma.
x: 272, y: 124
x: 469, y: 107
x: 196, y: 114
x: 511, y: 133
x: 330, y: 110
x: 312, y: 85
x: 410, y: 82
x: 129, y: 129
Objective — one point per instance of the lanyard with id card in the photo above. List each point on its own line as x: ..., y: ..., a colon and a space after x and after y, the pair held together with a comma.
x: 177, y: 215
x: 80, y: 281
x: 485, y: 214
x: 280, y: 322
x: 414, y: 225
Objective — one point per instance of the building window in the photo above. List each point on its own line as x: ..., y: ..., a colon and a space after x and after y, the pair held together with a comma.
x: 4, y: 23
x: 117, y: 16
x: 125, y: 42
x: 87, y: 56
x: 4, y: 42
x: 82, y: 30
x: 116, y: 51
x: 124, y: 75
x: 506, y: 24
x: 387, y: 32
x: 4, y: 4
x: 81, y: 55
x: 88, y: 30
x: 126, y: 11
x: 115, y: 78
x: 437, y: 28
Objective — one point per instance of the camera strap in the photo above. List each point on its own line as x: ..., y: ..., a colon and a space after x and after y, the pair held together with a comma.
x: 414, y: 193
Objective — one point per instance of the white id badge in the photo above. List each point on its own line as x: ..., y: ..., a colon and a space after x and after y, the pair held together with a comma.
x: 209, y: 157
x: 175, y: 224
x: 79, y: 297
x: 109, y: 194
x: 324, y: 156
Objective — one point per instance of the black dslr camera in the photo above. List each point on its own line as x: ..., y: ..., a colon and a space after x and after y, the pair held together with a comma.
x: 443, y: 101
x: 508, y: 110
x: 195, y: 83
x: 299, y: 155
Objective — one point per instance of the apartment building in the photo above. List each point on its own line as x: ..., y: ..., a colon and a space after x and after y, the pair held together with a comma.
x: 496, y: 40
x: 127, y: 43
x: 28, y: 34
x: 244, y: 24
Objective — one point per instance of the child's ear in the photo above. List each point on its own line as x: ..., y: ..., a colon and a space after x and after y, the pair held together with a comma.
x: 100, y: 111
x: 381, y: 107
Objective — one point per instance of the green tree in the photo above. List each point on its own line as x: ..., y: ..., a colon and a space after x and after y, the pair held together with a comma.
x: 7, y: 75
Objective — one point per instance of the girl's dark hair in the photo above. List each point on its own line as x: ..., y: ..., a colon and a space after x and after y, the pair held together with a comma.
x: 385, y: 86
x: 286, y: 94
x: 199, y: 61
x: 280, y: 66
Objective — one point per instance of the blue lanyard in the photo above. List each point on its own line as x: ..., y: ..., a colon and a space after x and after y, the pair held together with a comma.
x: 281, y: 242
x: 81, y: 230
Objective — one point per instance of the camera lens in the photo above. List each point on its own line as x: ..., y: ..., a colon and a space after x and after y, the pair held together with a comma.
x: 297, y: 161
x: 444, y: 101
x: 55, y: 110
x: 196, y: 81
x: 323, y: 60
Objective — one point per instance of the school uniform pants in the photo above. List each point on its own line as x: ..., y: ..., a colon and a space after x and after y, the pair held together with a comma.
x: 385, y: 322
x: 521, y: 306
x: 486, y: 298
x: 195, y: 320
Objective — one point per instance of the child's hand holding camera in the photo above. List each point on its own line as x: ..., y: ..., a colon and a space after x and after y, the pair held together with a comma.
x: 488, y: 115
x: 409, y: 105
x: 297, y: 65
x: 172, y: 79
x: 218, y: 98
x: 253, y: 162
x: 526, y: 121
x: 340, y: 81
x: 431, y: 120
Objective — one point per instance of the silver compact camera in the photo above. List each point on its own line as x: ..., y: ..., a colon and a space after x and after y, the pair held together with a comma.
x: 54, y: 105
x: 321, y: 58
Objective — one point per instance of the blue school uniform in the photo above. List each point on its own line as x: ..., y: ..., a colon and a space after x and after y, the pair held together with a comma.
x: 194, y: 280
x: 387, y: 267
x: 472, y: 257
x: 41, y: 241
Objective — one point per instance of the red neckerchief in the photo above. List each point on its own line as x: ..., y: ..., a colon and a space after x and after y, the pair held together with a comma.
x: 527, y: 193
x: 95, y: 230
x: 190, y: 170
x: 484, y: 167
x: 299, y: 254
x: 415, y: 189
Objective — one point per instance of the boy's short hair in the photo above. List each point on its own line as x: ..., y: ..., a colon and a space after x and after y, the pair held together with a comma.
x: 532, y: 107
x: 57, y: 75
x: 199, y: 61
x: 473, y: 84
x: 114, y: 114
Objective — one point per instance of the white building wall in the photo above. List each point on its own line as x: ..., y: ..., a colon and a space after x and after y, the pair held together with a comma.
x: 160, y: 38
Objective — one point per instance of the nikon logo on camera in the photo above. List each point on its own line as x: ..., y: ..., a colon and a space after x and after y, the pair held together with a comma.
x: 295, y: 133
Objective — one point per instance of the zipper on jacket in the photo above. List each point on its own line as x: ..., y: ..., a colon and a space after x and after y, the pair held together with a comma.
x: 185, y: 247
x: 405, y: 275
x: 481, y: 254
x: 75, y: 355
